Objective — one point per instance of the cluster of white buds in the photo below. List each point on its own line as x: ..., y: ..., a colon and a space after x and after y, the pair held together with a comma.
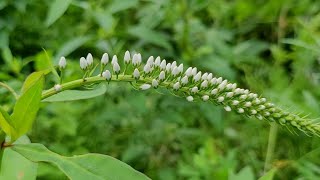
x: 196, y: 85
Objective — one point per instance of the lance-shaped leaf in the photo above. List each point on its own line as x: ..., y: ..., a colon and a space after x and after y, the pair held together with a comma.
x: 82, y: 167
x: 5, y: 123
x: 28, y: 104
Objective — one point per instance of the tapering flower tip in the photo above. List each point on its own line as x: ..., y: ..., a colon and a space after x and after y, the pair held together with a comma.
x: 213, y: 81
x: 127, y: 57
x: 107, y: 74
x: 136, y: 74
x: 240, y: 110
x: 136, y: 60
x: 219, y: 80
x: 89, y: 59
x: 139, y: 58
x: 253, y: 112
x: 116, y: 68
x: 176, y: 86
x: 227, y: 108
x: 204, y: 84
x: 188, y: 72
x: 220, y: 99
x: 114, y: 59
x: 263, y: 100
x: 168, y: 67
x: 173, y: 65
x: 162, y: 75
x: 247, y: 104
x: 235, y: 102
x: 205, y: 98
x: 175, y: 71
x: 157, y: 61
x: 237, y: 91
x: 105, y: 59
x: 83, y: 63
x: 189, y: 98
x: 197, y: 77
x: 243, y: 97
x: 246, y: 91
x: 180, y: 68
x: 209, y: 77
x: 229, y: 94
x: 214, y: 91
x: 163, y: 64
x: 223, y: 84
x: 62, y: 63
x: 154, y: 83
x: 150, y: 60
x: 145, y: 86
x: 194, y: 89
x: 57, y: 87
x: 194, y: 71
x: 147, y: 68
x: 184, y: 80
x: 204, y: 76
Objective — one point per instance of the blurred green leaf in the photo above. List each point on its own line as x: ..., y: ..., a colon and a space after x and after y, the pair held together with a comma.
x: 117, y: 6
x: 269, y: 175
x: 72, y: 45
x: 44, y: 62
x: 28, y: 104
x: 245, y: 174
x: 56, y: 10
x: 5, y: 122
x: 73, y: 95
x: 104, y: 19
x: 89, y: 166
x: 15, y: 166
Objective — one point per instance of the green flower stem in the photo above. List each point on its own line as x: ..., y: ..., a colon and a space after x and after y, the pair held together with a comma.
x: 9, y: 89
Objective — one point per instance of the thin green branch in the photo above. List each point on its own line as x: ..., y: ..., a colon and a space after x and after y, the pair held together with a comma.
x: 10, y: 90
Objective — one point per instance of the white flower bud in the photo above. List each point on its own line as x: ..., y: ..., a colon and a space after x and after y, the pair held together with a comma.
x: 168, y: 67
x: 155, y: 83
x: 106, y: 74
x: 219, y: 80
x: 180, y: 68
x: 162, y: 75
x: 209, y: 77
x: 147, y: 68
x: 213, y: 81
x: 247, y: 104
x: 62, y: 63
x: 114, y: 59
x: 150, y: 60
x: 240, y: 110
x: 83, y: 63
x: 194, y: 71
x: 246, y: 91
x: 175, y: 71
x: 205, y: 98
x: 227, y: 108
x: 163, y: 64
x: 145, y: 86
x: 237, y: 91
x: 116, y: 68
x: 105, y: 59
x: 214, y: 91
x: 253, y: 112
x: 257, y: 101
x: 259, y: 117
x: 57, y: 87
x: 188, y: 71
x: 173, y: 65
x: 89, y: 59
x: 229, y: 86
x: 267, y: 114
x: 157, y: 61
x: 204, y: 84
x: 204, y: 76
x: 184, y: 80
x: 263, y: 100
x: 235, y: 102
x: 243, y: 97
x: 190, y: 98
x: 220, y: 99
x: 176, y: 86
x: 223, y: 84
x: 136, y: 73
x: 262, y: 107
x: 127, y: 57
x: 229, y: 94
x: 197, y: 77
x: 194, y: 89
x: 136, y: 60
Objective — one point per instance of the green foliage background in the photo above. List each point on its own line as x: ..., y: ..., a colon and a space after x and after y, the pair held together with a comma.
x: 271, y: 47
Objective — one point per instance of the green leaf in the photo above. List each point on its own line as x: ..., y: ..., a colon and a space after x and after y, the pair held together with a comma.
x: 5, y: 121
x: 117, y: 6
x: 82, y: 167
x: 28, y: 104
x: 72, y: 45
x: 73, y: 95
x: 15, y: 166
x: 43, y: 61
x: 56, y: 10
x: 150, y: 36
x: 245, y: 174
x: 269, y: 175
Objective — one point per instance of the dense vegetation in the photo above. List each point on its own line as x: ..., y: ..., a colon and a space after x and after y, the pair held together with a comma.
x: 270, y: 47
